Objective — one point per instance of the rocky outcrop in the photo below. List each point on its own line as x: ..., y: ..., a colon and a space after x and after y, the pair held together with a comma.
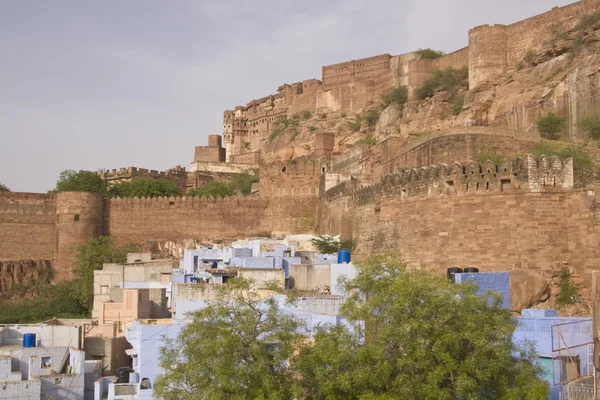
x: 23, y: 275
x: 527, y: 289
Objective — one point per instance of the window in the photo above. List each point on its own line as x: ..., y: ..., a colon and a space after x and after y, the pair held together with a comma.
x: 46, y: 362
x: 104, y: 289
x: 57, y: 381
x: 76, y: 218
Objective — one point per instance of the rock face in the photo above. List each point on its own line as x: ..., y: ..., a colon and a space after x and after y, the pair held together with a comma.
x: 526, y: 289
x: 24, y: 274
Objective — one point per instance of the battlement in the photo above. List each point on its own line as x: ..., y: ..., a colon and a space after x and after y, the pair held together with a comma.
x: 361, y: 60
x: 526, y: 174
x: 134, y: 172
x: 119, y: 203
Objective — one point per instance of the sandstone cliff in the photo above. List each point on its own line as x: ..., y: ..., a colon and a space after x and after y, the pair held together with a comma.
x: 19, y: 279
x: 561, y: 76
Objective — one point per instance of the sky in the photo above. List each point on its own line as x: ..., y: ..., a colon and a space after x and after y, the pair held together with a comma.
x: 88, y: 84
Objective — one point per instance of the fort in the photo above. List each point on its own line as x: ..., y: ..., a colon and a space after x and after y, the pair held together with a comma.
x: 422, y: 196
x: 348, y: 87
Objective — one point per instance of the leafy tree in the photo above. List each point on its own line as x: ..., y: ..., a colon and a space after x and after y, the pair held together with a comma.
x: 144, y: 187
x: 591, y: 126
x: 372, y: 116
x: 242, y: 183
x: 237, y: 347
x: 397, y: 96
x: 551, y: 126
x: 418, y: 337
x: 326, y: 244
x: 213, y: 189
x: 583, y: 165
x: 82, y: 181
x: 4, y: 188
x: 90, y: 257
x: 449, y: 79
x: 430, y: 54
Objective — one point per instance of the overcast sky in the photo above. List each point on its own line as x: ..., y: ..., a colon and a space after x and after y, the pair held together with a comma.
x: 107, y: 84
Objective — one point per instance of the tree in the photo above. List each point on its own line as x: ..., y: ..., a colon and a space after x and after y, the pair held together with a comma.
x: 551, y: 126
x: 145, y: 187
x: 326, y: 244
x: 418, y: 337
x: 90, y: 257
x: 243, y: 183
x: 430, y: 54
x: 449, y: 79
x: 4, y: 188
x: 213, y: 189
x: 591, y: 126
x: 82, y: 181
x: 237, y: 347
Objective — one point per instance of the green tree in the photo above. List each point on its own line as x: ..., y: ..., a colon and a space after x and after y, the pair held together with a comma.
x: 551, y: 126
x: 449, y: 79
x: 590, y: 125
x: 326, y: 244
x: 213, y: 189
x: 568, y: 289
x: 242, y: 183
x: 418, y: 337
x: 90, y: 257
x: 397, y: 96
x: 82, y: 181
x: 4, y: 188
x: 144, y: 187
x: 583, y: 165
x: 430, y: 54
x: 236, y: 348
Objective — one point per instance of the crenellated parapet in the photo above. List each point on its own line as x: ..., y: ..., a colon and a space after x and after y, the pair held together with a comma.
x: 525, y: 174
x: 191, y: 202
x: 134, y: 172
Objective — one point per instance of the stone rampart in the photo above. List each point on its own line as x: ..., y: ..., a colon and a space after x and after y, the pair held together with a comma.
x: 177, y: 175
x: 27, y: 226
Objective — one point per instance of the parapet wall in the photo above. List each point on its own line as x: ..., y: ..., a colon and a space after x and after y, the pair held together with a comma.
x: 177, y: 175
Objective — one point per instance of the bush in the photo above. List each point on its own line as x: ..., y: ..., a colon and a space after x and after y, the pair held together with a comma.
x: 367, y: 141
x: 372, y: 116
x: 457, y: 101
x: 430, y: 54
x: 4, y: 188
x: 144, y: 187
x: 355, y: 126
x: 529, y: 56
x: 242, y: 183
x: 591, y: 126
x: 81, y: 181
x: 551, y: 126
x: 213, y: 189
x: 281, y: 125
x: 449, y: 79
x: 568, y: 290
x: 588, y: 21
x: 583, y: 166
x: 326, y: 244
x: 303, y: 115
x: 397, y: 96
x: 312, y: 128
x: 485, y: 155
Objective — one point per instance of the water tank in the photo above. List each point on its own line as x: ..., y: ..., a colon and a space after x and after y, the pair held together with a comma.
x: 343, y: 256
x: 471, y: 270
x: 452, y: 271
x: 134, y: 377
x: 29, y: 340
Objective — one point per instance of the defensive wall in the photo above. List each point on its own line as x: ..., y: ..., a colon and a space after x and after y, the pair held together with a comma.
x: 495, y: 218
x: 176, y: 175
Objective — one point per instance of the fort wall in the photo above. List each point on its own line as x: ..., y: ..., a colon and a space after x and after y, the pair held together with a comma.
x: 27, y: 226
x: 495, y: 228
x: 177, y: 175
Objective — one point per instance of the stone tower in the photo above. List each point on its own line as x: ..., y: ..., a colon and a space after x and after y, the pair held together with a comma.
x: 78, y: 218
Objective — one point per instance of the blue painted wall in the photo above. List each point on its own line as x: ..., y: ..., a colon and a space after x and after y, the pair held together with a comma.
x: 496, y: 281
